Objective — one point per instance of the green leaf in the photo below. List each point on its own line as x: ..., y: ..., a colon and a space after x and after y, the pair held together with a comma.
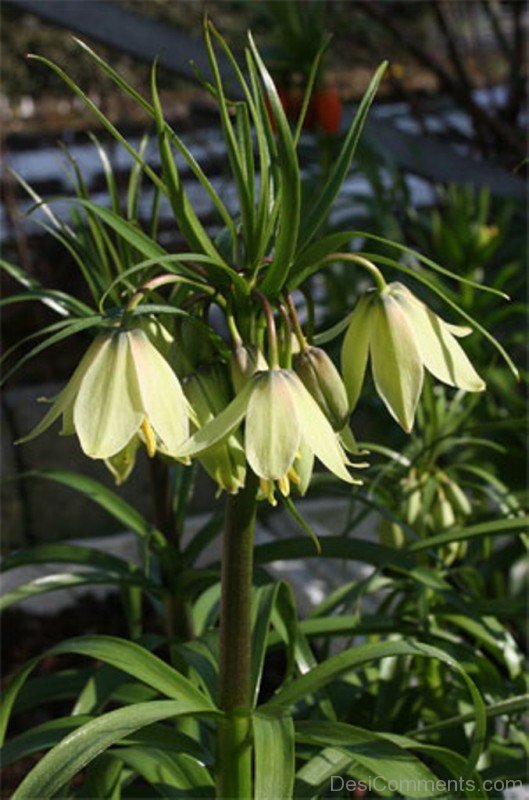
x: 40, y: 737
x: 104, y: 497
x: 66, y: 580
x: 311, y: 258
x: 314, y: 777
x: 499, y: 527
x: 185, y: 215
x: 514, y: 705
x: 146, y: 106
x: 430, y: 263
x: 97, y: 690
x: 375, y: 752
x: 342, y: 164
x: 220, y: 427
x: 102, y: 779
x: 58, y: 553
x: 121, y: 654
x: 274, y: 755
x: 75, y: 326
x: 492, y: 636
x: 352, y: 549
x: 105, y: 122
x: 352, y: 658
x: 56, y: 326
x: 264, y: 601
x: 79, y: 748
x: 290, y: 188
x: 61, y: 685
x: 171, y: 774
x: 353, y: 624
x: 331, y: 333
x: 166, y: 738
x: 60, y: 302
x: 243, y: 182
x: 202, y: 538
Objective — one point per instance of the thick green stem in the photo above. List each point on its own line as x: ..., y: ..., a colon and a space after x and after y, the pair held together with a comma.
x: 234, y: 752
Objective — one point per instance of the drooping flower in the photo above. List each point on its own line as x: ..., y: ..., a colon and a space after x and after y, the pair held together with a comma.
x: 281, y: 421
x: 208, y: 393
x: 403, y: 336
x: 122, y: 392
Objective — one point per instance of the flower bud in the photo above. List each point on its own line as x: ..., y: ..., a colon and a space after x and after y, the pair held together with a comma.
x: 208, y: 393
x: 245, y: 361
x: 460, y: 501
x: 319, y: 375
x: 391, y: 534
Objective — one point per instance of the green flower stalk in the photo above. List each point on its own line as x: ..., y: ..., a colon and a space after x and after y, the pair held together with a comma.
x: 403, y: 337
x: 122, y: 393
x: 208, y: 393
x: 282, y: 420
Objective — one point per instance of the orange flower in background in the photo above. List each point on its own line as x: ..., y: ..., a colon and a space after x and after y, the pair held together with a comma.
x: 328, y: 109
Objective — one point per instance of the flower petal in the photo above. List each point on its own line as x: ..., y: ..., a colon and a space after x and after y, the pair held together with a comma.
x: 355, y: 348
x: 162, y: 397
x: 304, y: 467
x: 107, y: 411
x: 220, y: 427
x: 396, y: 361
x: 122, y: 464
x: 440, y: 353
x: 63, y: 403
x: 317, y: 431
x: 272, y: 432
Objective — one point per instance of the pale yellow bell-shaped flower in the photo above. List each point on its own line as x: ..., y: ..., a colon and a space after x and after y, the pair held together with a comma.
x: 403, y: 337
x: 123, y: 391
x: 282, y: 420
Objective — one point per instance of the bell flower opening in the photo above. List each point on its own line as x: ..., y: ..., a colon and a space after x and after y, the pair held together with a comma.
x: 282, y: 422
x: 402, y: 337
x: 122, y: 392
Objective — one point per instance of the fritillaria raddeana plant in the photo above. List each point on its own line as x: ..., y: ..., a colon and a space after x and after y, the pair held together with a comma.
x: 254, y: 398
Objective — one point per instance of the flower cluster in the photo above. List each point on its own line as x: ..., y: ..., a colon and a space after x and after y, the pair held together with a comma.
x: 178, y: 397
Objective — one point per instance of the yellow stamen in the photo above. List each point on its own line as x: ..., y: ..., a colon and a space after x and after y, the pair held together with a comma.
x: 150, y: 438
x: 293, y: 476
x: 284, y: 485
x: 267, y: 488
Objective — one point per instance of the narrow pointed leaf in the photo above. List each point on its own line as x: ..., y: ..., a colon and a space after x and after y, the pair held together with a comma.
x: 79, y: 748
x: 274, y: 755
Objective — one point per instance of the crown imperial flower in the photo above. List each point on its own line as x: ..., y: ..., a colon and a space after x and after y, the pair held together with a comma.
x: 122, y: 392
x: 281, y: 420
x: 403, y: 336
